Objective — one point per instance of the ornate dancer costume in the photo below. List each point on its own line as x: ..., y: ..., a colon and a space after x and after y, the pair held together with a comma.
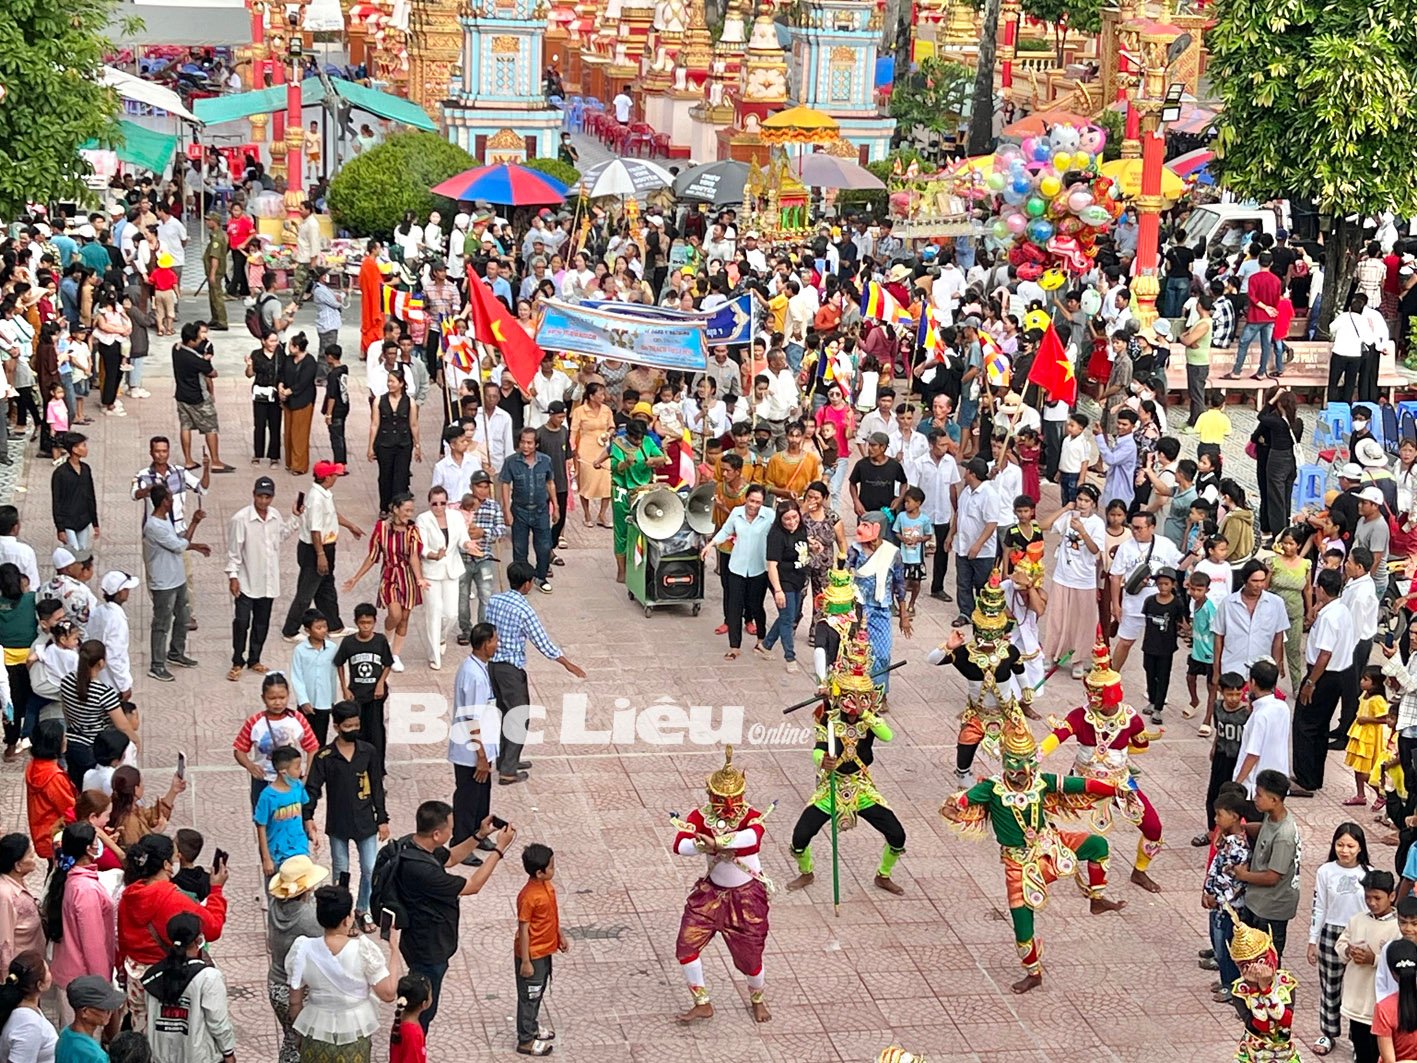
x: 731, y: 900
x: 836, y: 606
x: 1108, y: 732
x: 1264, y: 995
x: 989, y: 662
x: 847, y: 722
x: 1027, y: 572
x: 1017, y: 805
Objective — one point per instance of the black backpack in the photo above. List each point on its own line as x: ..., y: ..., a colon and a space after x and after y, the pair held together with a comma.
x: 255, y: 322
x: 384, y: 885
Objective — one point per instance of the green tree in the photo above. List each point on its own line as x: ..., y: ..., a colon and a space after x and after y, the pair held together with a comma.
x: 1084, y: 16
x: 932, y: 97
x: 1320, y: 102
x: 51, y: 59
x: 564, y: 172
x: 371, y: 193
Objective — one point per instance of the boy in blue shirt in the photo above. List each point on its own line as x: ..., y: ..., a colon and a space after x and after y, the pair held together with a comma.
x: 913, y: 529
x: 282, y: 831
x: 1201, y: 661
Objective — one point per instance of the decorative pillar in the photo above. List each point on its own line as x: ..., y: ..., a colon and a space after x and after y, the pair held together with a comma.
x: 1010, y: 10
x: 1155, y: 39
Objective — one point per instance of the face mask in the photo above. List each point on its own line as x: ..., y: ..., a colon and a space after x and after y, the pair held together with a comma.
x: 1359, y: 424
x: 350, y: 736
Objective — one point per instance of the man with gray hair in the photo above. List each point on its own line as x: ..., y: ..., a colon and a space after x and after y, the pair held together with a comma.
x: 534, y: 278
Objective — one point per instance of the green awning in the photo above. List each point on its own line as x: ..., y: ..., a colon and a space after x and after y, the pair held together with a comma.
x: 141, y: 146
x: 216, y: 109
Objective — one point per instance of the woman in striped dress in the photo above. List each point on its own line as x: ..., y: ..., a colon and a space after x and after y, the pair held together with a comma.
x: 396, y: 545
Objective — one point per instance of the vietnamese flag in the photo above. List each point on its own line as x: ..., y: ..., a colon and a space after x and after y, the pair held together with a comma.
x: 494, y: 325
x: 1052, y: 369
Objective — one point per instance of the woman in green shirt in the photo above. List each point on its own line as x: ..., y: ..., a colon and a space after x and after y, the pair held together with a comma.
x: 18, y: 630
x: 1197, y: 339
x: 633, y: 457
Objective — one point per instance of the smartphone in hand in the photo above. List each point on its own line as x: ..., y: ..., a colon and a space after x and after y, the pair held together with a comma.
x: 182, y: 765
x: 386, y: 923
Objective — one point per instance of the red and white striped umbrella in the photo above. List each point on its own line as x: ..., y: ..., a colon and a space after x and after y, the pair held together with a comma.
x: 1190, y: 162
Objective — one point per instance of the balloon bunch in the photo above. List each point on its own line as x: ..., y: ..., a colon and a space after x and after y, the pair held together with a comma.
x: 1049, y: 203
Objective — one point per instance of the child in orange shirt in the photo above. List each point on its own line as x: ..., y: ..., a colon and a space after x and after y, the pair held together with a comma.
x: 538, y: 936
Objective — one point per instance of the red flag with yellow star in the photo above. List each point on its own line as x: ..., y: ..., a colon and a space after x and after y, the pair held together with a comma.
x: 494, y: 325
x: 1052, y: 369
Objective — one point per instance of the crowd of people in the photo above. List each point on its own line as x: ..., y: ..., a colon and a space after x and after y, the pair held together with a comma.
x: 833, y: 445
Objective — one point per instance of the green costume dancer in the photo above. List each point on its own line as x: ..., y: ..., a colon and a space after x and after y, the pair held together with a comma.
x: 1018, y: 804
x: 847, y: 727
x: 633, y: 459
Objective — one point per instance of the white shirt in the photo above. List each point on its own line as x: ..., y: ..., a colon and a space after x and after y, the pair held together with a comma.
x: 908, y: 449
x: 875, y: 422
x: 21, y: 555
x: 975, y: 509
x: 1248, y: 636
x: 622, y: 105
x: 1332, y: 631
x: 782, y: 396
x: 319, y: 516
x: 1074, y: 563
x: 1073, y: 454
x: 1008, y: 485
x: 375, y: 374
x: 496, y: 435
x: 1266, y: 735
x: 1129, y: 555
x: 172, y: 238
x: 454, y: 477
x: 253, y: 550
x: 934, y: 478
x: 1351, y: 331
x: 544, y: 391
x: 1360, y: 598
x: 716, y: 417
x: 109, y: 625
x: 947, y: 288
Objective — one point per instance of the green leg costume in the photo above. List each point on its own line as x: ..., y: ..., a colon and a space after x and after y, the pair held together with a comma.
x: 1094, y: 852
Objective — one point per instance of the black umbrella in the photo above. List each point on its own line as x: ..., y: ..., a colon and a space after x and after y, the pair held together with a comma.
x: 717, y: 183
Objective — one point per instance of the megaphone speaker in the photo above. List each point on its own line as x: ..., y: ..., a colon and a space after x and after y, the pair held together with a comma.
x: 659, y: 513
x: 698, y: 511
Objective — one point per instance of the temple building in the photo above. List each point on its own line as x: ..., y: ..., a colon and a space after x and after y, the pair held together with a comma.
x: 833, y: 69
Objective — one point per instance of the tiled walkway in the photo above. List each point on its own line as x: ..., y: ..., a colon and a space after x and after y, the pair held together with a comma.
x: 928, y: 970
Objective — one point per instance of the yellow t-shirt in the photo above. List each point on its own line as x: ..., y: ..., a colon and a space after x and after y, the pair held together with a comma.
x: 778, y: 305
x: 1213, y: 426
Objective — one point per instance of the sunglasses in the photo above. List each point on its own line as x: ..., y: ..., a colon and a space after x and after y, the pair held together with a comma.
x: 437, y: 505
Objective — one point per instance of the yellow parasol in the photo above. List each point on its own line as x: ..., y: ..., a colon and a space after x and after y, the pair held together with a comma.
x: 1127, y: 174
x: 799, y: 125
x: 983, y: 164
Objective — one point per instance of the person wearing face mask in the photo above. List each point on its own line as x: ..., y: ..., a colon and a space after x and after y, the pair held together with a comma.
x: 188, y: 1018
x: 349, y: 772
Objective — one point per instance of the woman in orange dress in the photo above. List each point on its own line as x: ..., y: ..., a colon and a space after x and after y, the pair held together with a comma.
x: 396, y: 544
x: 592, y: 425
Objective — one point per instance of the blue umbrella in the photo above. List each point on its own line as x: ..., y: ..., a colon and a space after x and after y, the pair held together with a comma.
x: 505, y: 184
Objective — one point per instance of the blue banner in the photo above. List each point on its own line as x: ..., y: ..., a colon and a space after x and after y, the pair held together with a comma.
x: 628, y: 335
x: 731, y: 325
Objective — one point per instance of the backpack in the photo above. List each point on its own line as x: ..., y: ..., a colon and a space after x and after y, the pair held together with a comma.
x: 384, y: 882
x: 255, y: 322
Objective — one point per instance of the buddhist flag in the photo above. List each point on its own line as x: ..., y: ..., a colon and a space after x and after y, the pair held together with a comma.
x: 457, y: 348
x: 403, y: 305
x: 881, y: 305
x: 928, y: 338
x: 998, y: 367
x: 1053, y: 369
x: 494, y: 325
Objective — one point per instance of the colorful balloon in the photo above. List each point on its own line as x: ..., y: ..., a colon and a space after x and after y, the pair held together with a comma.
x: 1062, y: 161
x: 1022, y: 185
x: 1000, y: 230
x: 1049, y: 185
x: 997, y: 181
x: 1015, y: 223
x: 1079, y: 200
x: 1095, y: 215
x: 1051, y: 280
x: 1035, y: 319
x: 1040, y: 231
x: 1035, y: 207
x: 1093, y: 140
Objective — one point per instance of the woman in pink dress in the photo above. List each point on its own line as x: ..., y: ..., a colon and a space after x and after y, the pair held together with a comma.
x: 397, y: 546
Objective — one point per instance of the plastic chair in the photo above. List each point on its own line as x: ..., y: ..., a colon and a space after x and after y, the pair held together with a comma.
x: 1309, y: 486
x: 1390, y: 435
x: 1338, y: 418
x: 637, y: 137
x: 1406, y: 422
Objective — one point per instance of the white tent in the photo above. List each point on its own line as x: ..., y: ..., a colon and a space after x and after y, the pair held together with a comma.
x: 132, y: 87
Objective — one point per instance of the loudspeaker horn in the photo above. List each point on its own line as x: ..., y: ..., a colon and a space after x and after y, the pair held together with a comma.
x: 659, y: 513
x: 698, y: 510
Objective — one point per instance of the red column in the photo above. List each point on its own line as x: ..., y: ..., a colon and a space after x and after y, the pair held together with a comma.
x: 1153, y: 154
x: 295, y: 156
x: 278, y: 78
x: 1010, y: 47
x: 258, y: 39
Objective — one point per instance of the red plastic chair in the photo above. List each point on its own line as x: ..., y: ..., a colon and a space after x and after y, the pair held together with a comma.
x: 661, y: 144
x: 638, y: 137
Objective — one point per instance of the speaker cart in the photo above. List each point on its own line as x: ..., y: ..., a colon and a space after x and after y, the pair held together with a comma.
x: 666, y: 532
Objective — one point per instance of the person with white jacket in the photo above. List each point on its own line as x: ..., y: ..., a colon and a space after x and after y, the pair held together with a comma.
x: 443, y: 530
x: 189, y: 1018
x: 109, y: 624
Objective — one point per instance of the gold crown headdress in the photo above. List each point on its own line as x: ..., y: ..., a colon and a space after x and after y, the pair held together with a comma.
x: 1248, y: 943
x: 839, y: 597
x: 1017, y: 740
x: 727, y: 781
x: 854, y: 665
x: 991, y: 614
x: 1102, y: 675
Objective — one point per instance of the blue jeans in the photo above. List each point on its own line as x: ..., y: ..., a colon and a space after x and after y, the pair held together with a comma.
x: 435, y: 973
x: 837, y: 480
x: 1264, y: 332
x: 81, y: 539
x: 535, y: 527
x: 368, y: 851
x: 135, y: 375
x: 479, y: 577
x: 795, y: 351
x: 1316, y: 307
x: 1221, y: 927
x: 784, y: 626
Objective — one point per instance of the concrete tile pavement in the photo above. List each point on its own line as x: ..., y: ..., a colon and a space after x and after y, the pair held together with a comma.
x: 929, y: 970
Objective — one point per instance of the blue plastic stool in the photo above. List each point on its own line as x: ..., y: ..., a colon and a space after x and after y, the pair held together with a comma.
x: 1390, y: 426
x: 1337, y: 417
x: 1309, y: 486
x: 1406, y: 424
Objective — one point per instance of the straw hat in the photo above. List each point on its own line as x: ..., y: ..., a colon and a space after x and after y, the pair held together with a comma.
x: 297, y: 875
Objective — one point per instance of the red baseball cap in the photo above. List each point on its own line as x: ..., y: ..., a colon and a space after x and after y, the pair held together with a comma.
x: 328, y: 468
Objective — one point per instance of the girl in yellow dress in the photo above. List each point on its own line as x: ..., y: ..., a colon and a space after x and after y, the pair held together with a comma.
x: 1367, y: 737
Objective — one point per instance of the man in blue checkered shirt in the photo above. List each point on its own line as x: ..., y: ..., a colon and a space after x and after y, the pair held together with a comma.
x: 516, y: 621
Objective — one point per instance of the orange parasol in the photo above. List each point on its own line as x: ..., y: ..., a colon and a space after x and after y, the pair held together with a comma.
x: 1033, y: 124
x: 800, y: 125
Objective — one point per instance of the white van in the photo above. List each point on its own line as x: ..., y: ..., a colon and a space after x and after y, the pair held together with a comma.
x: 1220, y: 224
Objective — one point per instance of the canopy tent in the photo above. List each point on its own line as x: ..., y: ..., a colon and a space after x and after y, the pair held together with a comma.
x: 199, y: 23
x: 131, y: 87
x: 218, y: 109
x: 140, y: 146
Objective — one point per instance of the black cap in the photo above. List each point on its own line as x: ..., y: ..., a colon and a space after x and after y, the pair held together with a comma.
x: 264, y: 486
x: 556, y: 407
x: 183, y: 930
x: 480, y: 477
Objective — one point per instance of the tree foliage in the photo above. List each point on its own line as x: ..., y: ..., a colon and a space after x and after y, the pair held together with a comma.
x: 1320, y: 102
x: 564, y: 172
x: 371, y: 193
x: 51, y: 58
x: 1082, y: 16
x: 933, y: 97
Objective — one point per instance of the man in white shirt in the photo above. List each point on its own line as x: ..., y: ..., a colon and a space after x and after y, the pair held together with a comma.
x: 878, y: 420
x: 1249, y: 624
x: 936, y: 473
x: 320, y: 524
x: 800, y: 312
x: 1329, y: 655
x: 907, y: 445
x: 1360, y: 598
x: 724, y: 370
x: 108, y: 623
x: 549, y: 385
x: 973, y: 538
x: 623, y: 105
x: 717, y: 246
x: 1144, y: 548
x: 172, y: 238
x: 782, y: 401
x: 753, y: 253
x: 1264, y: 744
x: 14, y: 550
x: 453, y: 472
x: 253, y: 540
x: 494, y: 428
x: 948, y: 287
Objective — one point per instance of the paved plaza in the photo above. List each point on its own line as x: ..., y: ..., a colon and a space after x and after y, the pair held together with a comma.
x: 929, y: 970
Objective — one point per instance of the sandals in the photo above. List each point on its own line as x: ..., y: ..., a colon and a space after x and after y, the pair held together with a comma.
x: 258, y: 667
x: 536, y: 1048
x: 1204, y: 730
x: 602, y: 524
x: 731, y: 655
x: 1355, y: 801
x: 1323, y: 1046
x: 1187, y: 713
x: 234, y: 676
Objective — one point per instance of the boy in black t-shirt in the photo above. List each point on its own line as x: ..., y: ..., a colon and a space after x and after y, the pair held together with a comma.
x: 336, y: 407
x: 1022, y: 532
x: 365, y: 681
x: 1164, y: 614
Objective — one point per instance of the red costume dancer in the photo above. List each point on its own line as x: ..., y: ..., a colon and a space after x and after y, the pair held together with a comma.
x: 1264, y: 997
x: 732, y: 899
x: 1108, y: 731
